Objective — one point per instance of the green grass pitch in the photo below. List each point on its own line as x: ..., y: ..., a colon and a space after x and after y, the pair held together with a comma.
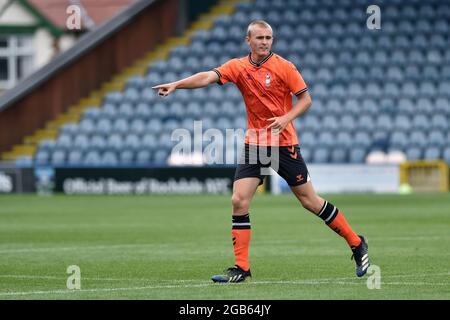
x: 167, y: 247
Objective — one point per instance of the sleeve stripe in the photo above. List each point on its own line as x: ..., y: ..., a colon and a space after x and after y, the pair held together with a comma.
x: 217, y: 72
x: 220, y: 76
x: 301, y: 91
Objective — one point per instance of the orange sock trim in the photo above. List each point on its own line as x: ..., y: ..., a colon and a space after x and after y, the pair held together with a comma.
x: 241, y: 243
x: 341, y: 227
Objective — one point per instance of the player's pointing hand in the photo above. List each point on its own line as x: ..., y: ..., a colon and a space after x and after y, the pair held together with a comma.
x: 165, y: 89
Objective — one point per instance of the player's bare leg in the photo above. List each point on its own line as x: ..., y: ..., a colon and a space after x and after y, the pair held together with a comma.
x: 309, y: 199
x: 243, y: 192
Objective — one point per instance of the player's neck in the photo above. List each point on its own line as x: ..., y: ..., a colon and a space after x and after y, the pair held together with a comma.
x: 257, y: 58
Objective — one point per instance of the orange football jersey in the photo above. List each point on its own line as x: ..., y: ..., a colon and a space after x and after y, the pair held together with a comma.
x: 267, y: 88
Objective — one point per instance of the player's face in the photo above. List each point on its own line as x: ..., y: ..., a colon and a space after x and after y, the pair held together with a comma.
x: 260, y: 40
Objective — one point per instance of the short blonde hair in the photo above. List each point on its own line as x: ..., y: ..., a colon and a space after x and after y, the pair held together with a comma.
x: 260, y: 23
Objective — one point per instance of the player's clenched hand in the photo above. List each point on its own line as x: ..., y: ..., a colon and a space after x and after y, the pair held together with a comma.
x: 165, y: 89
x: 278, y: 123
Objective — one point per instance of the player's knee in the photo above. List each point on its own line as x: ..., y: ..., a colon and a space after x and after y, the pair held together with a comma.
x: 308, y: 203
x: 239, y: 202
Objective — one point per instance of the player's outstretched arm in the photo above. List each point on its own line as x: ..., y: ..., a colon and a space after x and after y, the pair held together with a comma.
x: 198, y: 80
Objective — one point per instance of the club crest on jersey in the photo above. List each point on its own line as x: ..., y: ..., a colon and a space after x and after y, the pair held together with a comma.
x: 267, y: 80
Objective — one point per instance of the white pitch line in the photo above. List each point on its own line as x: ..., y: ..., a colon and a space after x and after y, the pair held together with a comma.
x: 20, y: 276
x: 336, y: 281
x: 100, y: 247
x: 137, y: 245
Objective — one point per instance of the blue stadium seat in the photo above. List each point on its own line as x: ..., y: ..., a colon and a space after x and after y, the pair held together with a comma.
x: 420, y: 122
x: 86, y: 126
x: 347, y: 123
x: 153, y: 78
x: 325, y: 139
x: 47, y: 145
x: 321, y: 155
x: 362, y: 140
x: 413, y: 153
x: 115, y: 142
x: 240, y: 123
x: 64, y: 142
x: 444, y: 89
x: 91, y: 113
x: 351, y: 106
x: 440, y: 121
x: 425, y: 106
x: 180, y: 51
x: 333, y: 108
x: 75, y: 158
x: 442, y: 106
x: 114, y: 98
x: 223, y: 123
x: 138, y: 126
x: 157, y: 66
x: 369, y: 107
x: 92, y: 158
x: 104, y: 126
x: 402, y: 122
x: 126, y: 157
x: 412, y: 72
x: 430, y: 73
x: 307, y: 140
x: 436, y: 138
x: 58, y: 158
x: 135, y: 82
x: 343, y: 140
x: 432, y: 153
x: 97, y: 143
x: 409, y: 90
x: 125, y: 110
x: 306, y: 154
x: 108, y: 111
x: 80, y: 142
x: 330, y: 123
x: 109, y: 158
x: 373, y: 90
x: 417, y: 139
x: 446, y: 155
x: 357, y: 155
x: 338, y: 155
x: 398, y: 140
x: 228, y: 109
x: 160, y: 157
x: 149, y: 141
x: 70, y: 128
x: 132, y: 142
x: 121, y: 126
x: 384, y: 123
x: 42, y: 158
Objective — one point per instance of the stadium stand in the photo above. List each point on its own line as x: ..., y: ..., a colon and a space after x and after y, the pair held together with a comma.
x: 380, y: 91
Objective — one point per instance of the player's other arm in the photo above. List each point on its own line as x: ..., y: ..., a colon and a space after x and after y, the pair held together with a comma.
x: 302, y: 105
x: 198, y: 80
